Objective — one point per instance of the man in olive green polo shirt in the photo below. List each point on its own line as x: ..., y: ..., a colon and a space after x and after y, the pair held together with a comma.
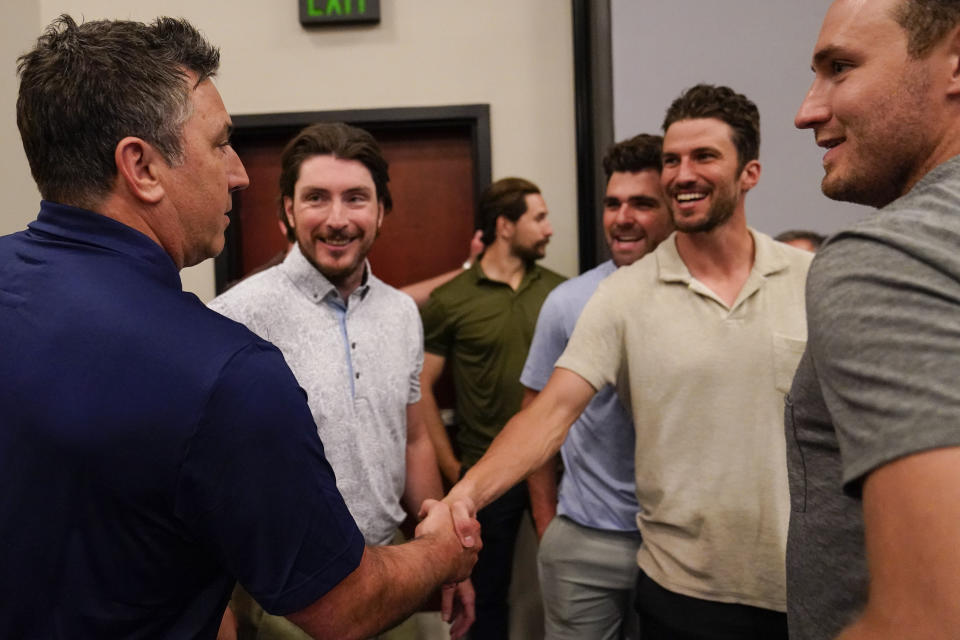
x: 483, y: 322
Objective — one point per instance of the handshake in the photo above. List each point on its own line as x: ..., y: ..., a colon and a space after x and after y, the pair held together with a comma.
x: 454, y: 535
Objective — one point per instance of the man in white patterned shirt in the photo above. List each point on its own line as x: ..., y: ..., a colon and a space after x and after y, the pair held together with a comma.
x: 354, y: 343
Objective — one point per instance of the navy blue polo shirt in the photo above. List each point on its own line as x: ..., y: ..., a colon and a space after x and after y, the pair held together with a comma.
x: 152, y: 451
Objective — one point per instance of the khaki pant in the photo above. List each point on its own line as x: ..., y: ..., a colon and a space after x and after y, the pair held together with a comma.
x: 587, y: 578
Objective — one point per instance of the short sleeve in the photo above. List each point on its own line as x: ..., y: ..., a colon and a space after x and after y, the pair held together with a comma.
x: 438, y: 329
x: 416, y: 358
x: 595, y: 349
x: 256, y: 487
x: 549, y: 340
x: 885, y: 342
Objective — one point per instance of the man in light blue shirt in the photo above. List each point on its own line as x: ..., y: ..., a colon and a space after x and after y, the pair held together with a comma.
x: 589, y: 537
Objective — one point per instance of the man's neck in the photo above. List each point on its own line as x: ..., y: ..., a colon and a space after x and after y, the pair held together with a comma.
x: 159, y: 228
x: 947, y: 146
x: 501, y: 264
x: 347, y: 285
x: 721, y: 259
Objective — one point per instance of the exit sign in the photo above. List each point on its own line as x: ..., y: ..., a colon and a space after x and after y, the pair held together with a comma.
x: 339, y: 11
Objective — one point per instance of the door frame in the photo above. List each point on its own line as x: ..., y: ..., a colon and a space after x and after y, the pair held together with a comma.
x: 593, y: 97
x: 247, y: 128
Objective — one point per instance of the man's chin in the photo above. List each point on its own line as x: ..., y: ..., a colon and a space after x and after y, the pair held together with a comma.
x: 835, y: 187
x: 337, y: 272
x: 871, y: 193
x: 626, y: 258
x: 214, y: 249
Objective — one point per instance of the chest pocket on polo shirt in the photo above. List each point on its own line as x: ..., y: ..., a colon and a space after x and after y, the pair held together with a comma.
x: 786, y: 356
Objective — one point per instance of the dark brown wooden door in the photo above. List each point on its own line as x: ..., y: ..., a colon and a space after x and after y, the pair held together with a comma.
x: 434, y: 179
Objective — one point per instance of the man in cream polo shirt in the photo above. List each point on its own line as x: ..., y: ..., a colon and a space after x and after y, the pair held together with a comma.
x: 702, y: 336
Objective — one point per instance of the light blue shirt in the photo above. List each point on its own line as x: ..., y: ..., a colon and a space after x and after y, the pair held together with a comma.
x: 597, y: 489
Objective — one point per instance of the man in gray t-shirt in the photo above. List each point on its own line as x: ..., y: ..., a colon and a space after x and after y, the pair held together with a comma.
x: 873, y: 416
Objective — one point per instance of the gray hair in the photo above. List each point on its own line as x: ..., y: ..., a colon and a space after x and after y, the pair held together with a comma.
x: 83, y: 88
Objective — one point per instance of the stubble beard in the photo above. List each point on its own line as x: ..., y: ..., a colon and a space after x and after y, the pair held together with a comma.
x: 720, y: 211
x: 874, y: 185
x: 337, y: 275
x: 892, y: 149
x: 531, y: 254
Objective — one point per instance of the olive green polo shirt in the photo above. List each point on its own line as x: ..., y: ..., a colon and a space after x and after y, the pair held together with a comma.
x: 484, y: 328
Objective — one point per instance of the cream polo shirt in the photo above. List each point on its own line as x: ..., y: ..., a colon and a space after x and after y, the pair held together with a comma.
x: 705, y: 383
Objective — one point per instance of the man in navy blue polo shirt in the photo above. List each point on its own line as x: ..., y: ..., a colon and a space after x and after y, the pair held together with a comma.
x: 153, y: 452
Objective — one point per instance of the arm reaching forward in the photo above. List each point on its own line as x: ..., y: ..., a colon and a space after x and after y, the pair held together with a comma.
x: 527, y: 441
x: 392, y: 582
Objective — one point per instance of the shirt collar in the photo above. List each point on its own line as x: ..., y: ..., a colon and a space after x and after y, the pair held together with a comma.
x: 936, y: 176
x: 606, y: 268
x: 768, y: 258
x: 313, y: 284
x: 90, y: 228
x: 531, y: 274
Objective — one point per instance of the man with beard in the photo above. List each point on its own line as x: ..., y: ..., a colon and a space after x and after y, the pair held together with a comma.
x: 354, y: 343
x: 588, y: 534
x: 873, y: 417
x: 483, y: 321
x: 152, y: 452
x: 702, y: 336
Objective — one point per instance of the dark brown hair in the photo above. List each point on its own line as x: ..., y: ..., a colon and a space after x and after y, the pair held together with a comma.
x: 506, y: 197
x: 341, y: 141
x: 635, y: 154
x: 725, y: 104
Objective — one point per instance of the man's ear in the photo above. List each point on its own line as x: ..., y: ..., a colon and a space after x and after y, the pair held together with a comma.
x: 750, y: 176
x: 505, y: 227
x: 953, y: 59
x: 138, y: 164
x: 380, y: 214
x: 288, y: 211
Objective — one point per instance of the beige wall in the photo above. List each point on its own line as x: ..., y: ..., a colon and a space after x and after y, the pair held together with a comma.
x: 18, y: 30
x: 516, y: 56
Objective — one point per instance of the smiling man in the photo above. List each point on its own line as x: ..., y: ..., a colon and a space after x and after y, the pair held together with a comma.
x: 354, y: 343
x: 873, y: 421
x: 152, y: 452
x: 704, y: 334
x: 588, y: 534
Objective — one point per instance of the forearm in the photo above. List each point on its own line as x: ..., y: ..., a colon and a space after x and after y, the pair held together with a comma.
x: 390, y: 584
x: 542, y: 485
x: 443, y: 449
x: 528, y: 440
x: 420, y: 291
x: 423, y: 477
x: 228, y: 626
x: 514, y: 454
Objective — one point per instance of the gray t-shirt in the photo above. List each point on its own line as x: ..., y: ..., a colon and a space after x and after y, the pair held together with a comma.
x: 879, y: 381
